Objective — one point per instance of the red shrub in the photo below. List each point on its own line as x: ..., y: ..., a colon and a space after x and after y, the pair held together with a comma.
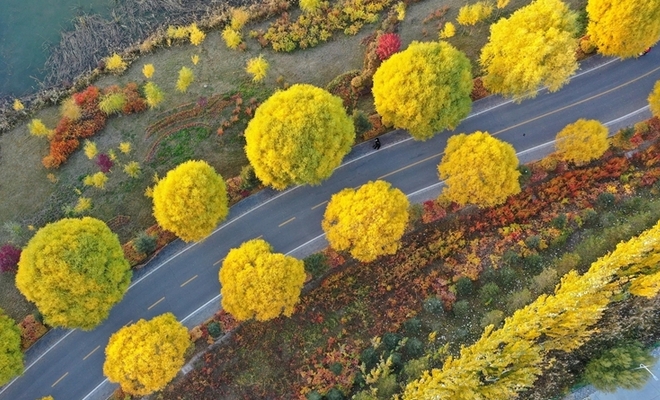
x: 89, y: 95
x: 31, y: 331
x: 388, y: 44
x: 9, y: 256
x: 104, y: 162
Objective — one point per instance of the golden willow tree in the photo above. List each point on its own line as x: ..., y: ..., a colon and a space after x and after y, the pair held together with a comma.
x: 479, y: 169
x: 191, y: 200
x: 582, y: 141
x: 517, y: 61
x: 623, y: 28
x: 368, y: 222
x: 424, y: 89
x: 11, y: 356
x: 74, y: 270
x: 147, y: 355
x: 257, y: 283
x: 298, y: 136
x: 503, y: 362
x: 654, y: 100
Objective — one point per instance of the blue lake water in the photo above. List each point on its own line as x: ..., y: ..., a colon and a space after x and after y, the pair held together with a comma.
x: 26, y: 26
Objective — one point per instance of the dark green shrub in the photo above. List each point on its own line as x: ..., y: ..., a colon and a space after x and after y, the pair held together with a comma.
x: 510, y: 258
x: 314, y: 395
x: 493, y: 317
x: 316, y: 264
x: 249, y: 179
x: 618, y: 367
x: 414, y: 348
x: 632, y: 205
x: 215, y: 330
x: 415, y: 212
x: 412, y: 326
x: 589, y: 218
x: 533, y: 242
x: 525, y: 174
x: 507, y: 277
x: 533, y: 264
x: 391, y: 340
x: 145, y: 243
x: 335, y: 394
x: 336, y: 368
x: 397, y: 362
x: 361, y: 122
x: 369, y: 357
x: 489, y: 292
x: 434, y: 305
x: 464, y: 286
x: 461, y: 309
x: 605, y: 201
x: 559, y: 221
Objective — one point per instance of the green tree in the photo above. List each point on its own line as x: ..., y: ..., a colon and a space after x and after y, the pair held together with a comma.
x: 297, y: 136
x: 424, y: 89
x: 517, y: 61
x: 190, y: 200
x: 654, y: 100
x: 479, y: 169
x: 74, y: 270
x: 257, y: 283
x: 145, y: 356
x: 369, y: 221
x: 582, y: 141
x: 623, y: 28
x: 11, y: 356
x: 618, y: 367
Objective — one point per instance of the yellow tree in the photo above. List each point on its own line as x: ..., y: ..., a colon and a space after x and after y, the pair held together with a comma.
x: 471, y: 14
x: 424, y: 89
x: 623, y: 28
x: 190, y: 200
x: 654, y: 100
x: 582, y: 141
x: 297, y: 136
x: 145, y: 356
x: 257, y: 283
x: 369, y: 221
x: 479, y: 169
x: 517, y: 61
x: 74, y: 270
x: 11, y: 356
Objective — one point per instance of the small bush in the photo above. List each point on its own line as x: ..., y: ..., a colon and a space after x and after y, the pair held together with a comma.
x: 316, y: 264
x: 605, y: 201
x: 559, y: 221
x: 104, y: 162
x: 145, y: 243
x: 533, y: 264
x: 361, y: 122
x: 518, y: 300
x: 506, y: 277
x: 434, y: 305
x: 369, y: 357
x: 589, y: 217
x: 494, y: 317
x: 9, y: 256
x: 546, y: 281
x: 387, y: 386
x: 414, y: 348
x: 391, y: 340
x: 464, y: 286
x: 215, y: 330
x: 388, y: 44
x: 618, y: 368
x: 533, y: 242
x: 510, y: 258
x: 525, y: 174
x: 415, y: 368
x: 314, y: 395
x: 335, y: 394
x: 461, y: 309
x: 566, y: 263
x: 413, y: 326
x: 489, y: 292
x: 112, y: 103
x: 186, y: 77
x: 249, y: 179
x: 336, y: 368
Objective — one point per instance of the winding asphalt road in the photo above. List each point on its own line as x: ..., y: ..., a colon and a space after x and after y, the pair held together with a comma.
x: 184, y: 278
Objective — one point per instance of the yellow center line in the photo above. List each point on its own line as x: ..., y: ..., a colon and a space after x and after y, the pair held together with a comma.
x: 188, y: 281
x: 58, y: 381
x: 286, y: 222
x: 154, y: 305
x: 90, y: 353
x: 533, y: 119
x: 219, y: 261
x: 319, y: 205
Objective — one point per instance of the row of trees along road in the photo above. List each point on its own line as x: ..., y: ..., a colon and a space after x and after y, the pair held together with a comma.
x: 74, y: 269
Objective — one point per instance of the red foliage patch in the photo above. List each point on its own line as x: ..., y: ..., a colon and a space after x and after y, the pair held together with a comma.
x: 31, y: 331
x: 9, y: 256
x: 388, y: 44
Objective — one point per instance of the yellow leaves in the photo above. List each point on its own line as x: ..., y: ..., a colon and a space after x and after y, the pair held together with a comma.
x: 90, y: 149
x: 479, y: 169
x: 623, y: 28
x: 69, y: 109
x: 297, y: 136
x: 517, y: 61
x: 186, y: 77
x: 148, y: 70
x: 195, y: 59
x: 474, y: 13
x: 154, y: 94
x: 257, y: 283
x: 146, y: 356
x: 115, y: 64
x: 368, y: 222
x: 190, y: 200
x: 400, y: 9
x: 11, y: 356
x: 74, y: 270
x: 232, y: 37
x: 502, y: 3
x: 239, y: 16
x: 18, y: 105
x: 424, y: 89
x: 582, y: 141
x: 112, y: 103
x: 654, y: 100
x: 125, y: 147
x: 83, y: 204
x: 309, y: 6
x: 177, y: 32
x: 37, y: 128
x: 196, y: 35
x: 448, y: 31
x: 257, y: 67
x: 97, y: 180
x: 132, y: 169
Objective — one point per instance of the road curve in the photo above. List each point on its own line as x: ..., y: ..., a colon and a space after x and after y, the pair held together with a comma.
x: 184, y: 278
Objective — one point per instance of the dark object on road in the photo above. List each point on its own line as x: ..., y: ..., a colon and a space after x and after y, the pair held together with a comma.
x: 376, y: 144
x: 643, y: 53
